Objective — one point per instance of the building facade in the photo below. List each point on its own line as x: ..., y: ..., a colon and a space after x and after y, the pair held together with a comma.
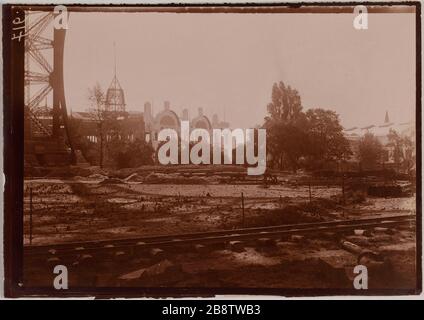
x: 169, y: 119
x: 381, y: 132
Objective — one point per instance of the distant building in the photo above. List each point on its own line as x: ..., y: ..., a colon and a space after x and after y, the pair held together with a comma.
x: 169, y: 119
x: 381, y: 132
x: 131, y: 124
x: 140, y: 125
x: 145, y: 125
x: 217, y: 124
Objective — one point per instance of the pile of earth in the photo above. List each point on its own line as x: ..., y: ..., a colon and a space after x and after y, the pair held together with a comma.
x: 175, y: 178
x: 313, y: 211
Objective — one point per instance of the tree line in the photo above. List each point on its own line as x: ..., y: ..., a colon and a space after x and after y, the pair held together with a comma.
x: 313, y: 139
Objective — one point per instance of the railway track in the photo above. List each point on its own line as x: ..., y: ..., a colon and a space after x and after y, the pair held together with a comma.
x: 141, y: 243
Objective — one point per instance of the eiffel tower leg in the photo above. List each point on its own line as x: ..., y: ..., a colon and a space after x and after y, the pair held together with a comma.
x: 60, y: 114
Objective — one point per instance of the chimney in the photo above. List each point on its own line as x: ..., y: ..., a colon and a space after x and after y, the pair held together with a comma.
x: 167, y: 105
x: 215, y: 120
x: 200, y: 112
x: 185, y: 115
x: 148, y: 111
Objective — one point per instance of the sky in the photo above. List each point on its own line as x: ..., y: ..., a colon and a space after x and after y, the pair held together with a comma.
x: 226, y: 63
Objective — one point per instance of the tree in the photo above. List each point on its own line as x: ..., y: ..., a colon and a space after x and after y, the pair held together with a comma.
x: 287, y: 142
x: 325, y: 136
x: 370, y: 150
x: 403, y: 150
x: 116, y: 143
x: 293, y: 134
x: 87, y: 148
x: 130, y: 154
x: 284, y: 124
x: 409, y: 159
x: 101, y: 116
x: 285, y: 103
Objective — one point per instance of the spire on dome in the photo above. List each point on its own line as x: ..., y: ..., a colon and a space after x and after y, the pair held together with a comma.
x: 386, y: 118
x: 115, y: 98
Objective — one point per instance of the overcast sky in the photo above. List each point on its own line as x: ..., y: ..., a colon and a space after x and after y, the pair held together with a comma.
x: 230, y: 61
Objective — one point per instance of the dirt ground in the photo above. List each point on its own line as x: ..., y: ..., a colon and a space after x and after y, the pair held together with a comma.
x: 75, y: 211
x: 100, y: 207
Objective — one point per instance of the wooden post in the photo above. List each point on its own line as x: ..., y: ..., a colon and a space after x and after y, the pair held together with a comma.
x: 343, y: 189
x: 310, y: 192
x: 242, y: 208
x: 30, y: 215
x: 101, y: 144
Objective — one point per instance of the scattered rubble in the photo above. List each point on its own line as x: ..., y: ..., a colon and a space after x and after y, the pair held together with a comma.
x: 97, y: 176
x: 135, y: 177
x: 112, y: 181
x: 160, y: 268
x: 386, y: 190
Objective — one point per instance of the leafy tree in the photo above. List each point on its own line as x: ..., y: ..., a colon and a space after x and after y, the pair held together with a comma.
x: 293, y: 134
x: 325, y: 136
x: 98, y: 114
x: 403, y: 150
x: 285, y: 103
x: 130, y: 154
x: 287, y: 142
x: 108, y: 126
x: 409, y: 159
x: 286, y: 139
x: 370, y: 150
x: 87, y: 148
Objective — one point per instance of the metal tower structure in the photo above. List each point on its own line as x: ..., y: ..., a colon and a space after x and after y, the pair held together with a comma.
x: 44, y: 48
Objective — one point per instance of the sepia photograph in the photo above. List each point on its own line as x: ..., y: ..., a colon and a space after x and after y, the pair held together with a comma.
x: 196, y: 150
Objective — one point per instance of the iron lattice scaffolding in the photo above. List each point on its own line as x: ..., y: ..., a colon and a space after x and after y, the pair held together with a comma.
x: 45, y: 106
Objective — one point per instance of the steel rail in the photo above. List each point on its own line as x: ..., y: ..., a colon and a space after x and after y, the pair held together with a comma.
x: 221, y: 235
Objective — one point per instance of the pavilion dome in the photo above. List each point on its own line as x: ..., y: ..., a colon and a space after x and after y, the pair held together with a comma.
x: 115, y: 97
